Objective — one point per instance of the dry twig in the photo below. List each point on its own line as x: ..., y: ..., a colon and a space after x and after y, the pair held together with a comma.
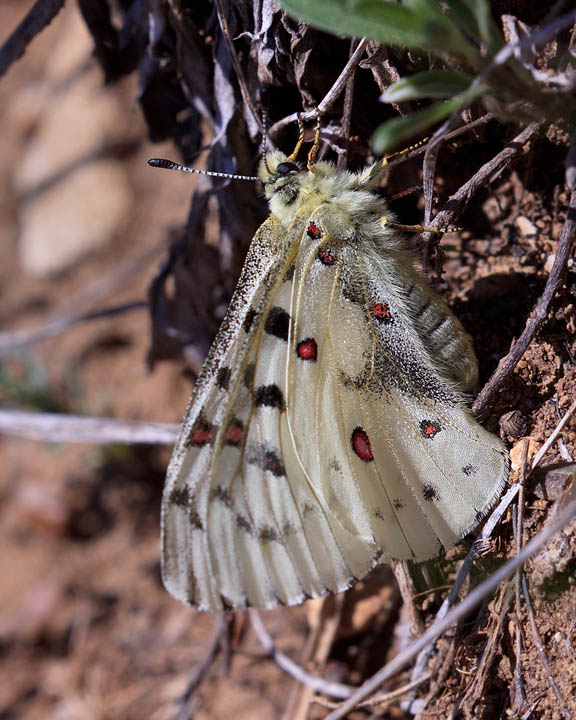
x: 331, y: 96
x: 52, y: 427
x: 39, y: 16
x: 541, y: 652
x: 457, y: 613
x: 336, y: 690
x: 185, y: 710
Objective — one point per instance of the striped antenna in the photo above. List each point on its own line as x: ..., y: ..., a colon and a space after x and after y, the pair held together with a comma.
x: 169, y: 165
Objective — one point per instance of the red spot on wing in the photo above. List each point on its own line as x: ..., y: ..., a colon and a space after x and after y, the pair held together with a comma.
x: 201, y: 436
x: 430, y: 428
x: 381, y: 311
x: 314, y: 230
x: 234, y: 433
x: 325, y: 256
x: 307, y: 349
x: 361, y: 445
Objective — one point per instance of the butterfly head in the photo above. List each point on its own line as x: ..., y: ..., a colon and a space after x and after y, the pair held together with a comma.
x: 287, y: 185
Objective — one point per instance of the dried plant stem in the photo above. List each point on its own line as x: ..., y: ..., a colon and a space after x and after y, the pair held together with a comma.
x: 383, y: 699
x: 520, y: 695
x: 336, y: 690
x: 464, y: 571
x: 332, y: 94
x: 52, y: 427
x: 554, y: 436
x: 13, y: 340
x: 455, y: 205
x: 185, y: 710
x: 541, y: 652
x: 540, y: 313
x: 39, y: 16
x: 456, y: 614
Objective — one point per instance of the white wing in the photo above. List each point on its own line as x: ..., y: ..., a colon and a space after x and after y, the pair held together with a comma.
x: 322, y: 435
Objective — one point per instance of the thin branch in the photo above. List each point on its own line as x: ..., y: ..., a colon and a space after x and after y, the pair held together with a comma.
x: 52, y: 427
x: 466, y: 567
x: 336, y: 690
x: 39, y: 16
x: 520, y: 695
x: 541, y: 310
x: 199, y: 673
x: 541, y: 651
x: 455, y: 205
x: 456, y: 614
x: 554, y: 436
x: 13, y: 340
x: 345, y: 123
x: 384, y: 698
x: 236, y: 62
x: 91, y: 294
x: 332, y: 94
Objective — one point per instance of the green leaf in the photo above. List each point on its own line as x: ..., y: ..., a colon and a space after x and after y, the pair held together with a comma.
x: 487, y: 28
x: 431, y: 84
x: 402, y: 129
x: 418, y: 24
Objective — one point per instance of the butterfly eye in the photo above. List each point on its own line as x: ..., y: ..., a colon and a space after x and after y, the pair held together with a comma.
x: 285, y: 168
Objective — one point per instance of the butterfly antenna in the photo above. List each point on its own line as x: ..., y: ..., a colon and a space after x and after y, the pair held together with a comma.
x: 294, y: 155
x: 316, y: 145
x: 264, y: 141
x: 169, y: 165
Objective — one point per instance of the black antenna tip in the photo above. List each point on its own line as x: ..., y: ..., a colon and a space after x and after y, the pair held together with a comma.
x: 162, y: 163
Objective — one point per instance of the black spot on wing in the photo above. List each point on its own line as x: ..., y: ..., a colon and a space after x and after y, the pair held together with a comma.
x: 223, y: 495
x: 266, y: 458
x: 180, y: 497
x: 223, y: 378
x: 278, y: 323
x: 430, y: 493
x: 269, y: 534
x: 249, y: 320
x: 195, y: 519
x: 249, y: 375
x: 269, y: 396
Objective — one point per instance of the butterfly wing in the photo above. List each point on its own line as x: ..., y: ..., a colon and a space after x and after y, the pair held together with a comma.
x: 323, y: 435
x: 241, y: 522
x: 378, y: 420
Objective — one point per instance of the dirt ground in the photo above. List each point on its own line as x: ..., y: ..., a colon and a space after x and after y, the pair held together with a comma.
x: 87, y: 630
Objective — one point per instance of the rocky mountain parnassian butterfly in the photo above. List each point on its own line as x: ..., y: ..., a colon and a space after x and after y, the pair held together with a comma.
x: 328, y: 430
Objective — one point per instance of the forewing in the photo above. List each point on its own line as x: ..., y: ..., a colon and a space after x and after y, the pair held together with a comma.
x: 213, y: 436
x: 242, y: 525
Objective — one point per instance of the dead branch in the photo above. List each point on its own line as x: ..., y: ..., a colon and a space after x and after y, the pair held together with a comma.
x: 541, y: 652
x: 331, y: 96
x: 464, y: 571
x: 52, y: 427
x: 315, y: 653
x: 457, y: 613
x: 11, y: 341
x: 336, y: 690
x: 520, y: 695
x: 554, y: 436
x: 455, y: 205
x: 39, y: 16
x: 384, y: 699
x: 200, y: 671
x: 540, y: 313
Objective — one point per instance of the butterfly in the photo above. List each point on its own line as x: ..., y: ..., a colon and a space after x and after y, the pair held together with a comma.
x: 328, y: 430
